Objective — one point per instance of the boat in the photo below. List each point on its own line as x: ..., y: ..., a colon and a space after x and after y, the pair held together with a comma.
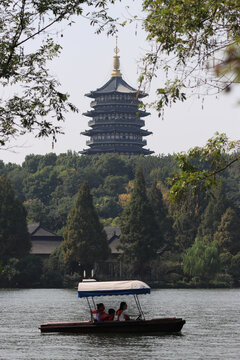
x: 90, y: 288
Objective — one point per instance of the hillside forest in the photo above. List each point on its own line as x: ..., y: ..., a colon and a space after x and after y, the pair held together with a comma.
x: 191, y: 243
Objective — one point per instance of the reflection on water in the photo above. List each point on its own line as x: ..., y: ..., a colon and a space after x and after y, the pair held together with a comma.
x: 211, y: 330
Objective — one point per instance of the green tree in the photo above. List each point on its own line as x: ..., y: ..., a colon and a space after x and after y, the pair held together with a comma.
x: 36, y: 99
x: 235, y: 268
x: 201, y: 260
x: 107, y: 207
x: 58, y: 211
x: 9, y: 273
x: 200, y: 169
x: 47, y: 160
x: 14, y: 236
x: 16, y: 174
x: 54, y: 269
x: 41, y: 184
x: 189, y: 37
x: 211, y: 217
x: 85, y: 241
x: 140, y: 235
x: 36, y: 211
x: 161, y: 214
x: 185, y: 225
x: 31, y: 163
x: 111, y: 164
x: 29, y: 271
x: 115, y: 185
x: 228, y: 232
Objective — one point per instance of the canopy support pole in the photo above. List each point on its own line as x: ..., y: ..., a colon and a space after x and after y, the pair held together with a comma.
x: 139, y: 307
x: 93, y: 303
x: 90, y: 309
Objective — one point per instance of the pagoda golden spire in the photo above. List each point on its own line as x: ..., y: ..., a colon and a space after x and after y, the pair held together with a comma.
x: 116, y: 62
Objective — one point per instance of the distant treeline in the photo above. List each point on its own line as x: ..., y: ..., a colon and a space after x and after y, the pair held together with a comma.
x: 47, y: 185
x: 201, y: 239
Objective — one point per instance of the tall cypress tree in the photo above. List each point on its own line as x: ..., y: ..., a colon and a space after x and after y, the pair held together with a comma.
x: 85, y: 241
x: 140, y: 235
x: 161, y: 214
x: 14, y: 236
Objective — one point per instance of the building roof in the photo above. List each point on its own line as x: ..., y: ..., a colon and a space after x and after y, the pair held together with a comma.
x: 112, y: 148
x: 37, y: 230
x: 116, y: 127
x: 44, y: 241
x: 116, y: 85
x: 111, y: 231
x: 32, y: 228
x: 113, y: 236
x: 113, y: 246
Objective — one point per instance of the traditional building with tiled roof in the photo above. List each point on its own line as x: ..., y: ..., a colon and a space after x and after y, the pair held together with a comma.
x: 44, y: 241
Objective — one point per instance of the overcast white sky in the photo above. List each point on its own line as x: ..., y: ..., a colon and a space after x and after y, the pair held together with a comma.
x: 86, y: 64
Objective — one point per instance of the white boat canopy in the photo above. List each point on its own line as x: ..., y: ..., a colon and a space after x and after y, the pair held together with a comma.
x: 90, y: 288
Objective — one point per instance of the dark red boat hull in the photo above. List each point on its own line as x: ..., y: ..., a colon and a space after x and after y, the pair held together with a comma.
x: 164, y: 325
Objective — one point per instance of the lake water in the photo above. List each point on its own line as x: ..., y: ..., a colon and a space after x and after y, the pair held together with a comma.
x: 212, y: 329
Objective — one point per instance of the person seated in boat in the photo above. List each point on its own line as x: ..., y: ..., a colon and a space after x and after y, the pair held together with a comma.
x: 100, y: 314
x: 122, y: 314
x: 111, y: 314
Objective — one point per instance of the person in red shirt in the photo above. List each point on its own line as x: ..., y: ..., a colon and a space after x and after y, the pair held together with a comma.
x: 111, y: 314
x: 100, y: 314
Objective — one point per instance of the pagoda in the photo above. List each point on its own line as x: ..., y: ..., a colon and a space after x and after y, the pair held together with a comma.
x: 116, y: 120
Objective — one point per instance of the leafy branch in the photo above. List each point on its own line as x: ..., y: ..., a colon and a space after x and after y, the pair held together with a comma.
x: 199, y: 167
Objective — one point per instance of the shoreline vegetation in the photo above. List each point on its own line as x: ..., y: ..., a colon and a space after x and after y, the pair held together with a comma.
x: 194, y: 243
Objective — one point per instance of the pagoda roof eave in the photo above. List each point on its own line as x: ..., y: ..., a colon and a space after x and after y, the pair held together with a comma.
x: 92, y: 151
x: 91, y: 132
x: 92, y: 113
x: 94, y: 94
x: 115, y: 85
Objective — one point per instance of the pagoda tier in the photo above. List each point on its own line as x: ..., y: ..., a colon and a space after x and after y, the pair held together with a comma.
x: 116, y: 118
